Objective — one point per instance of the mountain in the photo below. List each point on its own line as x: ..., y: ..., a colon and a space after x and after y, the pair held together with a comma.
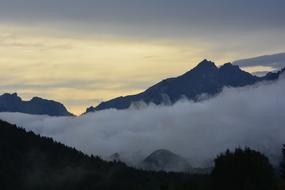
x: 164, y: 160
x: 205, y: 78
x: 29, y: 161
x: 38, y: 106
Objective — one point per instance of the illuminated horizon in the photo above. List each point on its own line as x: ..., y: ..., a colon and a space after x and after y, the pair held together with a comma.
x: 82, y: 53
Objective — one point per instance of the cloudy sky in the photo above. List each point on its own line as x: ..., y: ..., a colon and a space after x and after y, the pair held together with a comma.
x: 83, y: 52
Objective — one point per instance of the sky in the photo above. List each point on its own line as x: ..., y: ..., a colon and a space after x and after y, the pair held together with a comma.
x: 83, y: 52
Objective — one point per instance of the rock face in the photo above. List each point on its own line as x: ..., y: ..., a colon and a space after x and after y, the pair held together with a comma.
x: 164, y: 160
x: 205, y: 78
x: 38, y: 106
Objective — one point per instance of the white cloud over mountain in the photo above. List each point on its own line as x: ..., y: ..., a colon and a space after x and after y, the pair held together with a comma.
x: 251, y: 116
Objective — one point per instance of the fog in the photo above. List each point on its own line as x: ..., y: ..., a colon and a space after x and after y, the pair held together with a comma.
x: 251, y: 116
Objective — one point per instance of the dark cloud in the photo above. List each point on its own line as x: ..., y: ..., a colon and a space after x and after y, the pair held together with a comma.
x: 234, y: 27
x: 251, y: 116
x: 276, y: 61
x: 255, y: 14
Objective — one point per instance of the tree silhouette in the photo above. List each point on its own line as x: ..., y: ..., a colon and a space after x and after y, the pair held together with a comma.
x: 282, y: 165
x: 32, y: 162
x: 242, y: 170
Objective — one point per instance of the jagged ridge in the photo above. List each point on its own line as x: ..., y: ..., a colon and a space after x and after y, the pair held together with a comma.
x: 206, y: 77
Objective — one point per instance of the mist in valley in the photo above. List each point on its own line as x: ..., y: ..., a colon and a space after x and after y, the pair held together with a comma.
x: 250, y: 116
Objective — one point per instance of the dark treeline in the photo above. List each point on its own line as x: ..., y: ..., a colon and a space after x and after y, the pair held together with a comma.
x: 28, y: 161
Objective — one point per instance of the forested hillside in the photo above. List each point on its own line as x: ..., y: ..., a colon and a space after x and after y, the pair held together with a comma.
x: 32, y: 162
x: 28, y: 161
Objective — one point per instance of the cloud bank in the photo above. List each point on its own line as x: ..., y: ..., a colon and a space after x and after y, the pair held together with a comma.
x: 275, y: 61
x: 251, y: 116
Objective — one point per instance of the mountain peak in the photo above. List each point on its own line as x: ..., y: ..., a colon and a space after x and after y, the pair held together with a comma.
x: 37, y: 105
x: 205, y: 63
x: 13, y: 96
x: 205, y: 66
x: 161, y: 152
x: 229, y: 66
x: 205, y: 78
x: 35, y: 99
x: 90, y: 109
x: 165, y: 160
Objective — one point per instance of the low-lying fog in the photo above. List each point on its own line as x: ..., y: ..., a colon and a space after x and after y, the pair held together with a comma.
x: 251, y: 116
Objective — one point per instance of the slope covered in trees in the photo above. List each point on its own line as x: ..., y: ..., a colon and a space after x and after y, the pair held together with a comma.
x: 243, y: 169
x: 28, y: 161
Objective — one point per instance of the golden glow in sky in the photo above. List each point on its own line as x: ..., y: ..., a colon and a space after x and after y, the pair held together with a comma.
x: 80, y: 70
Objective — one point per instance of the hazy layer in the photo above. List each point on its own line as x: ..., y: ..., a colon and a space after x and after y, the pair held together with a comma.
x: 251, y: 116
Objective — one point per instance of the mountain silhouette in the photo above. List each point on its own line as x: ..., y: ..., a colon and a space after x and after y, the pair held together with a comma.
x: 205, y: 78
x: 165, y: 160
x: 38, y: 106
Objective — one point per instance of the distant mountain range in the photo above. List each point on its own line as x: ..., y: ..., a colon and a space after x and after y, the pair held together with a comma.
x: 205, y: 78
x: 38, y: 106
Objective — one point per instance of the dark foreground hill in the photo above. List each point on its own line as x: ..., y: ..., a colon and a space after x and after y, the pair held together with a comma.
x: 205, y: 78
x: 31, y: 162
x: 28, y: 161
x: 38, y: 106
